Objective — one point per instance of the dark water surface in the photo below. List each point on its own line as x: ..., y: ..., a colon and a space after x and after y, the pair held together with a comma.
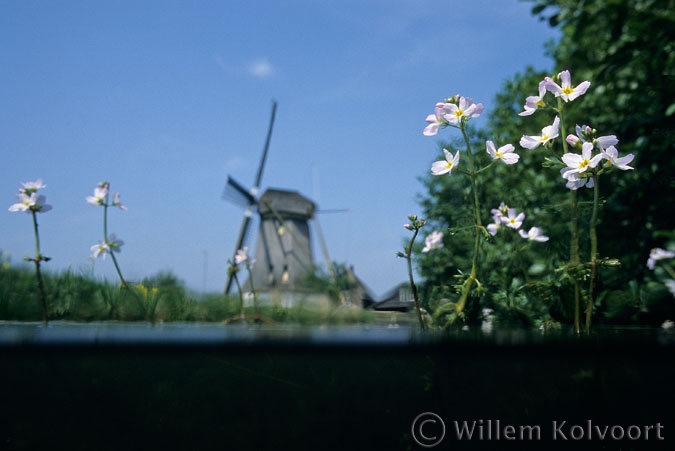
x: 204, y: 386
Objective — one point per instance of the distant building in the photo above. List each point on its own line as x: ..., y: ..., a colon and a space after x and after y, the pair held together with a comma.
x: 398, y: 299
x: 360, y: 295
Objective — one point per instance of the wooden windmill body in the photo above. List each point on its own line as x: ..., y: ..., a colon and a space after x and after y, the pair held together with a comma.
x: 283, y: 253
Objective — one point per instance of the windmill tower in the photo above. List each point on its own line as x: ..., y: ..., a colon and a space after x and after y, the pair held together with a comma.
x: 283, y: 252
x: 283, y: 249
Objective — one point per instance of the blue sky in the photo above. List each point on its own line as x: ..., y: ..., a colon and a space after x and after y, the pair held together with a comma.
x: 165, y: 99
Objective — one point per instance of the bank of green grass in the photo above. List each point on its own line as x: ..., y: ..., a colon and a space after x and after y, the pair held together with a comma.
x: 72, y: 296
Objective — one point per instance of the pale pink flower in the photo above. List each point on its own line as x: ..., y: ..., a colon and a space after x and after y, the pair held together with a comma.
x: 462, y: 110
x: 547, y: 133
x: 117, y: 203
x: 534, y: 102
x: 445, y: 167
x: 29, y: 203
x: 534, y: 234
x: 100, y: 195
x: 575, y: 181
x: 577, y: 164
x: 241, y: 255
x: 612, y: 156
x: 494, y: 227
x: 512, y: 219
x: 504, y: 153
x: 433, y: 241
x: 436, y: 120
x: 657, y: 254
x: 31, y: 187
x: 100, y: 249
x: 566, y: 91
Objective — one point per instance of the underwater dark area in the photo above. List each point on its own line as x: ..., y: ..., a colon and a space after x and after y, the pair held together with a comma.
x: 77, y: 388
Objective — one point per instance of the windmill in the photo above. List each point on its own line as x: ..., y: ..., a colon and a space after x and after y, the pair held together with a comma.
x: 283, y: 249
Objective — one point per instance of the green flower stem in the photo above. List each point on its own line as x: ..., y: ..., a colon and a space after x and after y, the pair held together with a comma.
x: 413, y: 287
x: 119, y: 273
x: 241, y: 296
x: 594, y: 250
x: 112, y: 254
x: 574, y: 229
x: 250, y: 282
x: 38, y: 258
x: 466, y: 289
x: 669, y: 270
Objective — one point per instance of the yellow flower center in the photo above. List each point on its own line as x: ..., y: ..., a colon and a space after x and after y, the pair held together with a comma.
x: 584, y: 163
x: 567, y: 90
x: 459, y: 113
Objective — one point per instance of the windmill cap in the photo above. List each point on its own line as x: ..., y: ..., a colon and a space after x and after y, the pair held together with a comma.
x: 285, y: 203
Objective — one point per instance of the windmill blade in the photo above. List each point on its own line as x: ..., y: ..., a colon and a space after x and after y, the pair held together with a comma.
x: 329, y: 263
x: 235, y: 190
x: 258, y: 177
x: 237, y: 194
x: 243, y: 232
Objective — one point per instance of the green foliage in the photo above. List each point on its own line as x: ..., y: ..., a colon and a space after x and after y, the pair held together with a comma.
x: 321, y: 281
x: 627, y: 50
x: 161, y: 297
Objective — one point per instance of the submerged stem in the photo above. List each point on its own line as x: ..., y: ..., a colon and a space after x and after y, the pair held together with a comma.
x: 38, y: 258
x: 466, y: 289
x: 413, y: 287
x: 574, y: 230
x: 594, y: 251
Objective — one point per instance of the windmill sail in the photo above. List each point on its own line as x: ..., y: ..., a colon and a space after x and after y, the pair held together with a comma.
x: 249, y: 195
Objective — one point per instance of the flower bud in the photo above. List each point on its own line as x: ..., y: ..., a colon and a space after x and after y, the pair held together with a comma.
x: 573, y: 140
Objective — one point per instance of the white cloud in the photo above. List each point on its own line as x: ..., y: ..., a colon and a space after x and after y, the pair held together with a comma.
x: 261, y: 68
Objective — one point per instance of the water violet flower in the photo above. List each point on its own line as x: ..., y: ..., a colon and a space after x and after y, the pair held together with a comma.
x: 566, y: 91
x: 657, y: 254
x: 445, y: 167
x: 433, y: 241
x: 612, y: 156
x: 534, y: 102
x: 462, y: 109
x: 504, y: 153
x: 512, y: 219
x: 547, y: 133
x: 534, y: 234
x: 30, y: 203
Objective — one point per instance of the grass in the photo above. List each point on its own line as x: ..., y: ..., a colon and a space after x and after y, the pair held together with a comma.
x: 163, y: 297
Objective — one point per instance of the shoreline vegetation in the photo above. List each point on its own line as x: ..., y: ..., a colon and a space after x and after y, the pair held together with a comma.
x: 163, y: 297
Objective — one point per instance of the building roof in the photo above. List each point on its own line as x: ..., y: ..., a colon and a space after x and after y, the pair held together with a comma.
x: 285, y: 203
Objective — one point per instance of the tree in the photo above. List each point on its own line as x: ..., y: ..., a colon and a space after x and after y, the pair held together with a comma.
x: 627, y: 50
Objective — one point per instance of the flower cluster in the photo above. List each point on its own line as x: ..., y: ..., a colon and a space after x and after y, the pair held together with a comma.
x: 455, y: 111
x: 29, y: 200
x: 509, y: 217
x: 110, y: 243
x: 580, y: 168
x: 100, y: 197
